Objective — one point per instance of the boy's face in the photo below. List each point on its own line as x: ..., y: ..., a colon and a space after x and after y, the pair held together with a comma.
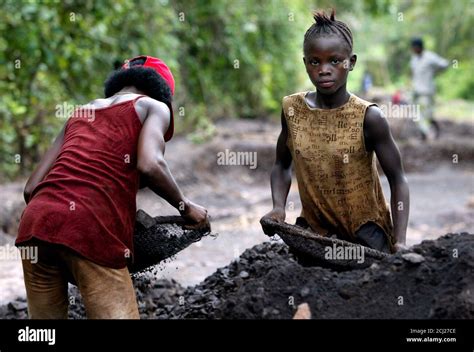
x: 328, y: 61
x: 416, y: 49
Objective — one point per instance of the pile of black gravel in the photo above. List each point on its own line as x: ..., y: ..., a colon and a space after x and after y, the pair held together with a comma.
x: 16, y: 309
x: 206, y: 300
x: 433, y: 280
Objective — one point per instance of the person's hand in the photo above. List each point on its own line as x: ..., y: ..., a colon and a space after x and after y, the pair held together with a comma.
x: 277, y: 214
x: 399, y: 246
x: 195, y: 215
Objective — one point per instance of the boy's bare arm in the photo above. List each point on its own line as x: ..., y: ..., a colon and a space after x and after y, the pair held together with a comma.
x: 44, y: 165
x: 379, y: 138
x: 281, y: 175
x: 153, y: 167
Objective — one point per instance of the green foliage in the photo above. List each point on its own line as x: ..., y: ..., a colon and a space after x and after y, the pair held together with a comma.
x: 229, y: 58
x: 57, y: 52
x: 237, y: 59
x: 457, y: 81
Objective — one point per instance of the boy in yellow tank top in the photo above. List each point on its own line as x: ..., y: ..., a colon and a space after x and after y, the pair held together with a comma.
x: 332, y: 137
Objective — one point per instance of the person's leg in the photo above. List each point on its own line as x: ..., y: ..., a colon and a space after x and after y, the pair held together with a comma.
x: 46, y: 285
x: 423, y: 121
x: 430, y: 116
x: 107, y: 293
x: 373, y: 236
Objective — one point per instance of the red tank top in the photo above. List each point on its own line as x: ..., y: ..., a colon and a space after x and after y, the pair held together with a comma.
x: 87, y: 201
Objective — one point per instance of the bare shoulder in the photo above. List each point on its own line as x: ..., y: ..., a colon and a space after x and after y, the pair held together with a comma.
x: 147, y: 106
x: 153, y: 104
x: 375, y: 120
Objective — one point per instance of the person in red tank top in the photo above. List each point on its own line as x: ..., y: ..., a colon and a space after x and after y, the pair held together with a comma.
x: 81, y: 198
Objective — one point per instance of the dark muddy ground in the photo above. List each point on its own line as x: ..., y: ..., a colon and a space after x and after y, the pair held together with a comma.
x: 442, y: 201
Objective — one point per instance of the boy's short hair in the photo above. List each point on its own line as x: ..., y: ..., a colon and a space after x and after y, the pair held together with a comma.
x: 417, y: 42
x: 144, y: 79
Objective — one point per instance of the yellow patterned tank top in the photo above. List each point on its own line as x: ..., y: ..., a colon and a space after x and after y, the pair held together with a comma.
x: 337, y: 178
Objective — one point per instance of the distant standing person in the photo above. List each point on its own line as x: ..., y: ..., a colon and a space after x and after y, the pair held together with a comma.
x: 424, y: 66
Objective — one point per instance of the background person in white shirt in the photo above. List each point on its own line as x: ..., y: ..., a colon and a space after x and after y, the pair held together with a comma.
x: 424, y: 65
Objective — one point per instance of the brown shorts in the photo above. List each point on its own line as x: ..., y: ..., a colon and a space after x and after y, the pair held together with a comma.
x: 107, y: 293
